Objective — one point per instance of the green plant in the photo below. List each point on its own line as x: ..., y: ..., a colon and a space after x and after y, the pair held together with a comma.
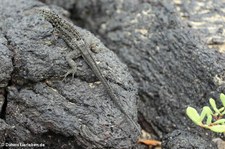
x: 214, y: 118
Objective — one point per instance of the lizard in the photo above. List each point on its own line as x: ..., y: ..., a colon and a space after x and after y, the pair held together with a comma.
x: 80, y: 48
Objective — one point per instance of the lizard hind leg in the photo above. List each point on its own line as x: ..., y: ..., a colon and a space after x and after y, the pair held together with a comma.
x: 69, y: 58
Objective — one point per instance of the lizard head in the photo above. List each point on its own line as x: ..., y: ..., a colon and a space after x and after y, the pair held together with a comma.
x: 51, y: 17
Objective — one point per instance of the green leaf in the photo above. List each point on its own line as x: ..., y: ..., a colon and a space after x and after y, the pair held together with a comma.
x: 193, y: 115
x: 209, y: 119
x: 206, y: 112
x: 213, y: 104
x: 223, y: 113
x: 220, y: 121
x: 222, y: 98
x: 217, y: 128
x: 221, y: 109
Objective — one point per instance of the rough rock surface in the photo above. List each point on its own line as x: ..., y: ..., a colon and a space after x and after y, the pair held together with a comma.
x: 174, y: 50
x: 4, y: 131
x: 207, y: 17
x: 179, y: 140
x: 68, y: 4
x: 6, y: 66
x: 44, y: 109
x: 170, y: 59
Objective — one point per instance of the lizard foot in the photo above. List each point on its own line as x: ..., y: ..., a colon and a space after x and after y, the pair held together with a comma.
x: 70, y: 71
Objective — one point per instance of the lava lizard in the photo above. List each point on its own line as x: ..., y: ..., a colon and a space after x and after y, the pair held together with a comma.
x: 79, y: 48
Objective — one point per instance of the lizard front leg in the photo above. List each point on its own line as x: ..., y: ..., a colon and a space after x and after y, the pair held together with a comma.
x: 69, y: 58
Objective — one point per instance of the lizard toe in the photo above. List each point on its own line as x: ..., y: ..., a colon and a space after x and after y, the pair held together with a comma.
x: 71, y: 71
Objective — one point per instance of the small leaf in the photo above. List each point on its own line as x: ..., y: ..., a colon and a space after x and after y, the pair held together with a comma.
x: 206, y: 112
x: 209, y: 119
x: 217, y: 128
x: 221, y: 109
x: 223, y: 113
x: 193, y: 115
x: 222, y: 98
x: 220, y: 121
x: 213, y: 104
